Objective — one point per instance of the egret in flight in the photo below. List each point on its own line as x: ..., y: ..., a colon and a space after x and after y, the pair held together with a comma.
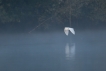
x: 67, y: 29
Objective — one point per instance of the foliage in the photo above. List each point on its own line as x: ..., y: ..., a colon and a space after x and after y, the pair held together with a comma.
x: 40, y: 10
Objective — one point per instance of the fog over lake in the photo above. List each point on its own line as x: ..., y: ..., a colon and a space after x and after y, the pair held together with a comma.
x: 53, y: 51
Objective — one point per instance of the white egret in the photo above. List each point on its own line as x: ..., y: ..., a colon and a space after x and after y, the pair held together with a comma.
x: 67, y: 29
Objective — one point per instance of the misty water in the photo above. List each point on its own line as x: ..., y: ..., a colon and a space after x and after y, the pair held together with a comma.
x: 53, y: 51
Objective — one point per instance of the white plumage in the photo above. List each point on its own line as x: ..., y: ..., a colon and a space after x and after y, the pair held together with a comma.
x: 67, y: 29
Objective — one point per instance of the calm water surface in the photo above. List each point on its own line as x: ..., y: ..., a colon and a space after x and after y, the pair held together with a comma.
x: 86, y: 51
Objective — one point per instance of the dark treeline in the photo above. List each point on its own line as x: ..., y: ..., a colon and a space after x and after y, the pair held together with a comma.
x: 24, y: 15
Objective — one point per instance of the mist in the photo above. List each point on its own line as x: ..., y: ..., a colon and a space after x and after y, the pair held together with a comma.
x: 32, y: 35
x: 53, y: 51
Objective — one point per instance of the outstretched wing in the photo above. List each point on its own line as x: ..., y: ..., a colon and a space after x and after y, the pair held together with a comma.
x: 72, y: 30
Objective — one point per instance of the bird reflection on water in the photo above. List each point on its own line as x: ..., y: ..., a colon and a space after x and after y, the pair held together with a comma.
x: 70, y: 51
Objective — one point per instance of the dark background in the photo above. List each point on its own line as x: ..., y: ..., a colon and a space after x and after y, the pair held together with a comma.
x: 22, y: 16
